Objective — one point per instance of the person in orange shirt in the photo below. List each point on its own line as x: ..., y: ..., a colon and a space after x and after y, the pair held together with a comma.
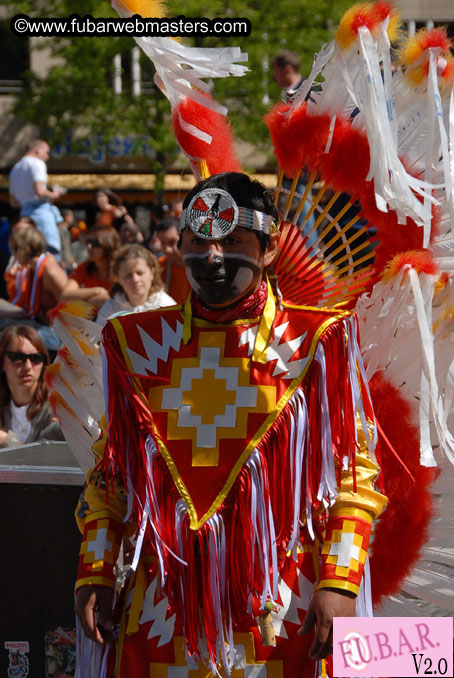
x: 171, y: 261
x: 109, y: 208
x: 13, y: 267
x: 92, y: 280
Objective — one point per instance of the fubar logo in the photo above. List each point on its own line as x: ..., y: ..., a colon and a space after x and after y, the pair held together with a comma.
x: 393, y: 646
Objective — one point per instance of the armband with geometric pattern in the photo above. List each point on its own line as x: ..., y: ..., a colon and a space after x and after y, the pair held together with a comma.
x: 344, y: 550
x: 99, y: 550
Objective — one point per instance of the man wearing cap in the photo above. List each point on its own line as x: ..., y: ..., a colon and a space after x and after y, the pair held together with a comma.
x: 234, y: 424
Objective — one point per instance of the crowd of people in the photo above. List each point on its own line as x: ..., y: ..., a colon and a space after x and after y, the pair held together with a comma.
x: 236, y: 467
x: 110, y: 264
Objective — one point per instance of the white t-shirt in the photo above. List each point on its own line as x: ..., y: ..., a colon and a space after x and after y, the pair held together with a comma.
x: 19, y: 422
x: 22, y: 177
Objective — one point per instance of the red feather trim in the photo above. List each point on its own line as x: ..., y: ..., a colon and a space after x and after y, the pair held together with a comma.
x: 448, y: 72
x: 300, y: 141
x: 220, y: 154
x: 346, y: 166
x: 382, y: 9
x: 421, y: 260
x: 402, y: 529
x: 436, y: 37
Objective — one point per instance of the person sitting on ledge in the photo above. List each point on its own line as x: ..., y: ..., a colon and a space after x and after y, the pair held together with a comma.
x: 25, y: 413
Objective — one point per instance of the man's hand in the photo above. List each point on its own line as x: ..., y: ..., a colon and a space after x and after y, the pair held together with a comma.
x: 56, y: 194
x: 324, y: 606
x: 94, y: 606
x: 3, y: 436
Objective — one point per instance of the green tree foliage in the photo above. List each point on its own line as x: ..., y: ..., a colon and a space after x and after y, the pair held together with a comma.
x: 76, y: 96
x: 302, y: 26
x: 77, y: 93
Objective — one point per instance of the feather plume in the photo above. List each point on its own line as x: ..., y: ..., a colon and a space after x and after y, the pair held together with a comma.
x: 368, y: 15
x: 423, y: 40
x: 147, y: 8
x: 421, y: 260
x: 298, y: 138
x: 355, y: 17
x: 204, y: 134
x: 414, y: 54
x: 77, y: 308
x: 402, y: 529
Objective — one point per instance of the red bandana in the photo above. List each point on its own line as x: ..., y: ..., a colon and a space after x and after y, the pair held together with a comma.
x: 251, y: 307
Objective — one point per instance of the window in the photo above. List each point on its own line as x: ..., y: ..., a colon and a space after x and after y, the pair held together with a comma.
x: 14, y: 60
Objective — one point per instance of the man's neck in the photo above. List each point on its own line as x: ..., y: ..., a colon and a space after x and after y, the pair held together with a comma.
x: 250, y: 306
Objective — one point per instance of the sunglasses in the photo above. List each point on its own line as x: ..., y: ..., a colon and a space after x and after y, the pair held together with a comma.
x: 93, y: 243
x: 17, y: 357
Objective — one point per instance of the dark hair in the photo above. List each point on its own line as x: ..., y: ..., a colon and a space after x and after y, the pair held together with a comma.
x: 109, y: 241
x: 167, y: 223
x: 6, y: 338
x: 287, y: 58
x: 134, y: 251
x: 33, y: 143
x: 114, y: 199
x: 27, y: 220
x: 246, y: 192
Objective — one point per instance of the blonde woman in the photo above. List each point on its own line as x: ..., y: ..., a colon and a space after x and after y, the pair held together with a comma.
x: 139, y: 286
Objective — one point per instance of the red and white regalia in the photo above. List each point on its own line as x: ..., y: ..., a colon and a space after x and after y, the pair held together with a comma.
x: 239, y: 455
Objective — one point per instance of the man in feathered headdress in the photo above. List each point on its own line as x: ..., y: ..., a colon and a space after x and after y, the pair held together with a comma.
x: 238, y: 455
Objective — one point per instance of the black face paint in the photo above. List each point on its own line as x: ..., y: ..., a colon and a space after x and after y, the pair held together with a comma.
x: 217, y: 279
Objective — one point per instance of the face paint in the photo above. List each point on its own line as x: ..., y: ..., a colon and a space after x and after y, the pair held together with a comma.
x: 219, y: 278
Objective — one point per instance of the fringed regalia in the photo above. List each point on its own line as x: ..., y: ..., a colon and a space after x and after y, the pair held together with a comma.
x: 240, y: 457
x: 239, y: 454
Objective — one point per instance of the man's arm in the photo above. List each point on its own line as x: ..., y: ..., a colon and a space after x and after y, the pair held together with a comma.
x: 93, y: 606
x: 102, y: 525
x: 343, y: 558
x: 324, y: 606
x: 42, y: 191
x: 13, y: 201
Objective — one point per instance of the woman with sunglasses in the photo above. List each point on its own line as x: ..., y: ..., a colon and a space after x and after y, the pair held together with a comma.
x: 92, y: 280
x: 25, y: 413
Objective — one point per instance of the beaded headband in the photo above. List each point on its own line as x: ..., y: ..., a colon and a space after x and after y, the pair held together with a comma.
x: 213, y: 214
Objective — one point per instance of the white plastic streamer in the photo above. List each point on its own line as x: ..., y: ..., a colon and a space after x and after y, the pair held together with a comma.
x: 430, y: 400
x: 394, y: 187
x: 320, y: 61
x: 181, y: 68
x: 263, y: 528
x: 383, y: 48
x: 151, y: 514
x: 218, y: 586
x: 298, y: 447
x: 89, y: 655
x: 396, y: 324
x: 338, y: 88
x: 450, y: 175
x: 433, y: 113
x: 327, y: 487
x: 364, y: 606
x: 355, y: 363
